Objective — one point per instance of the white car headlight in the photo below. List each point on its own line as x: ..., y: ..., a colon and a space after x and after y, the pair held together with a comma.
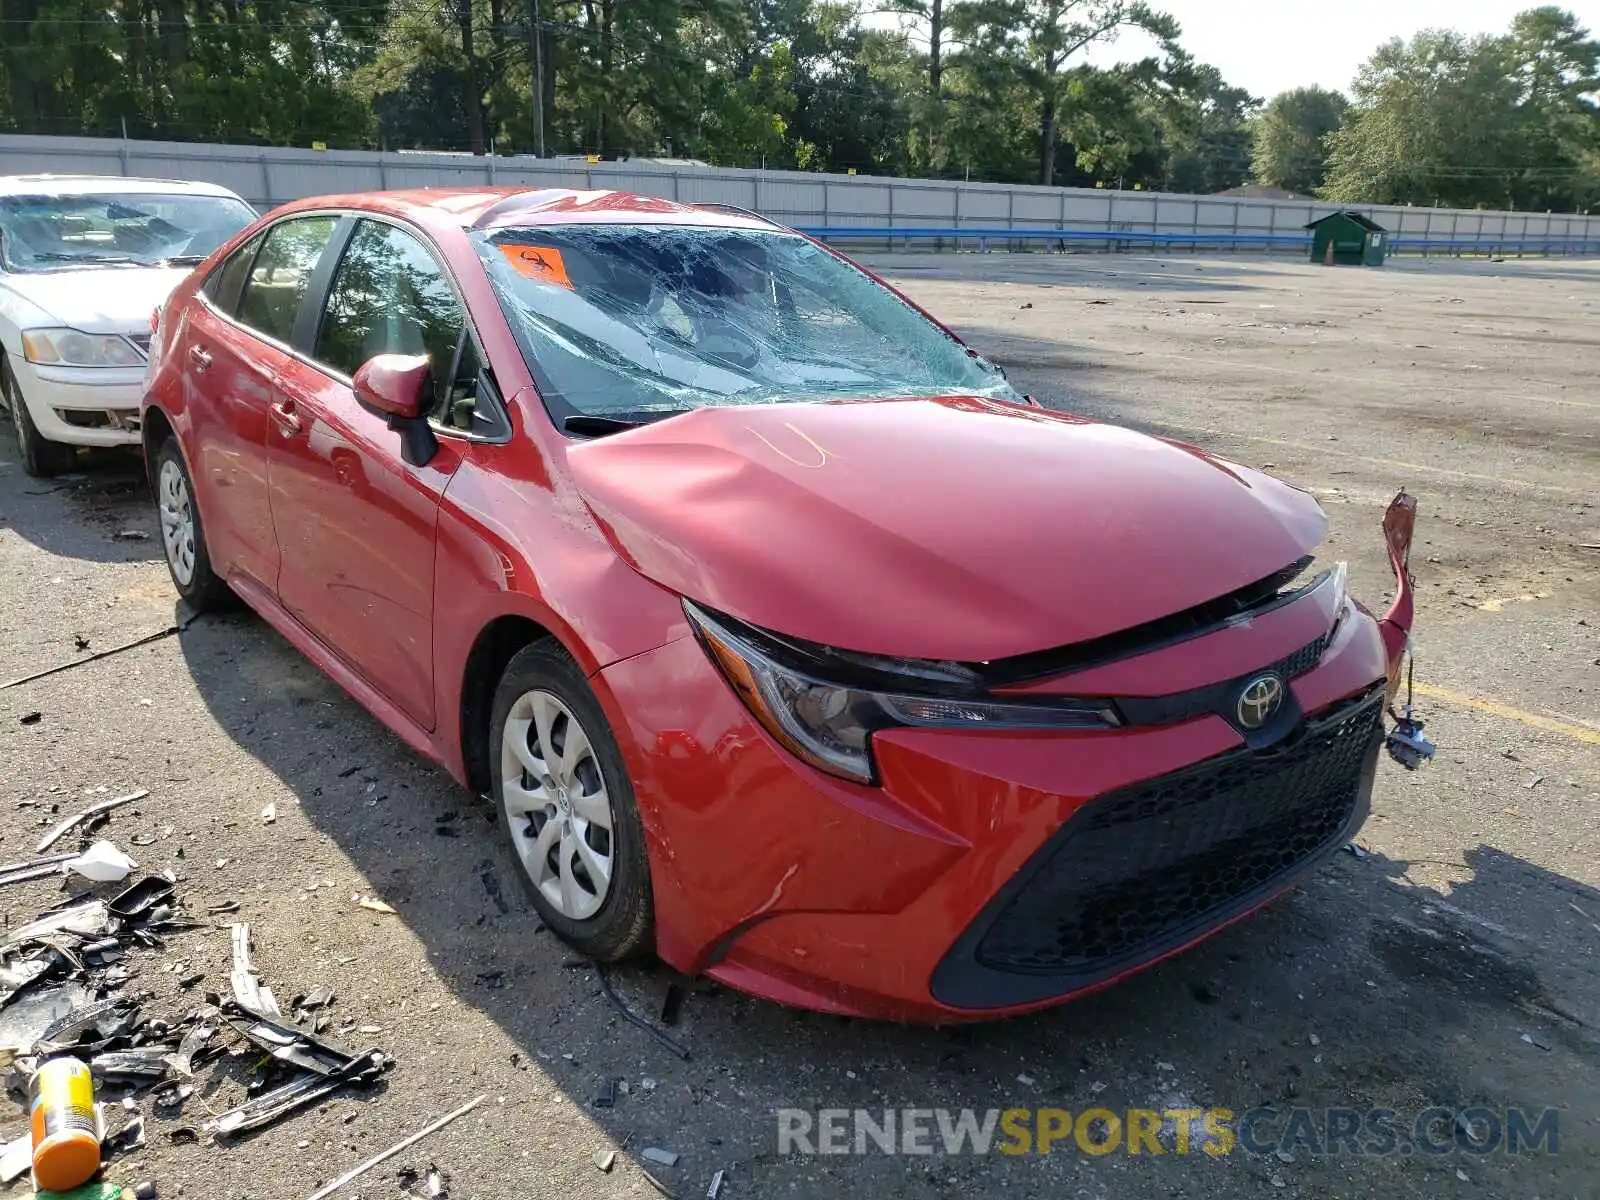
x: 73, y: 348
x: 830, y: 724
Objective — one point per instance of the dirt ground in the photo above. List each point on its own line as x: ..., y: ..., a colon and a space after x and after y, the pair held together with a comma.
x: 1457, y: 964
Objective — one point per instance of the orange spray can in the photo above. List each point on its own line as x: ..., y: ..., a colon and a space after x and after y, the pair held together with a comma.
x: 66, y: 1152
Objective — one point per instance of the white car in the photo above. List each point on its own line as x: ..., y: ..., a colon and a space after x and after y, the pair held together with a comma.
x: 84, y: 261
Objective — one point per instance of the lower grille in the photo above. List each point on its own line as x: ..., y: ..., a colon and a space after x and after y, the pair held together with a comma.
x: 1138, y: 865
x: 1140, y: 871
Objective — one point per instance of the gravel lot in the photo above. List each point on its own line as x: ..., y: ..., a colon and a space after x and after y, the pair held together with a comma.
x: 1457, y: 964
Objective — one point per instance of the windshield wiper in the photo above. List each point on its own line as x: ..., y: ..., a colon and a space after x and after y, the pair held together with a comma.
x: 184, y: 260
x: 119, y: 259
x: 596, y: 425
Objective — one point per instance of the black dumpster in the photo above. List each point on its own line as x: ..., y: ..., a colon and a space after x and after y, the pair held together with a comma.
x: 1348, y: 239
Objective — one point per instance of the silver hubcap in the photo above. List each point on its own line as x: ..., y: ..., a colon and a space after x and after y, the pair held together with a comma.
x: 177, y: 521
x: 556, y: 804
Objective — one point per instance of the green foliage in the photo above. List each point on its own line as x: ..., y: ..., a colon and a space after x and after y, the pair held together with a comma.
x: 986, y: 89
x: 1291, y: 138
x: 1505, y: 121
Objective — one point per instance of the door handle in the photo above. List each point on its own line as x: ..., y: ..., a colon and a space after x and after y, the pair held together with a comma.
x: 285, y: 418
x: 200, y: 357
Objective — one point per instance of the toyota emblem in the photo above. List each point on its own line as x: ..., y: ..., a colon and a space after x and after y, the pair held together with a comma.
x: 1260, y: 701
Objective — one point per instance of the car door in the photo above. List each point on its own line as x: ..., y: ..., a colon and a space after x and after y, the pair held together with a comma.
x: 355, y: 523
x: 232, y: 353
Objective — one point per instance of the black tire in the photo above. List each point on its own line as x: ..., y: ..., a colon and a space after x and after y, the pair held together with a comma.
x: 624, y: 924
x: 205, y: 590
x: 41, y: 457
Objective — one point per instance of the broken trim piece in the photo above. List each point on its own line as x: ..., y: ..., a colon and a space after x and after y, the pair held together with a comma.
x: 297, y: 1093
x: 247, y: 989
x: 405, y: 1144
x: 94, y: 810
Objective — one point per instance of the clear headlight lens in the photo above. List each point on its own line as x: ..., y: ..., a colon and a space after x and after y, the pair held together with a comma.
x: 830, y: 725
x: 72, y: 348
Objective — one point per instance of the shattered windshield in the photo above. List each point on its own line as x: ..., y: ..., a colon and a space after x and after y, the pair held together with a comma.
x: 633, y: 321
x: 52, y: 233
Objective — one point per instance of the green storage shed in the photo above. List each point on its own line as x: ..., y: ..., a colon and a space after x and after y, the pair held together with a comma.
x: 1348, y: 239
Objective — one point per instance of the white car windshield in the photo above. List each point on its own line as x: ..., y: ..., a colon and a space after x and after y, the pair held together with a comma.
x: 631, y: 322
x: 59, y: 232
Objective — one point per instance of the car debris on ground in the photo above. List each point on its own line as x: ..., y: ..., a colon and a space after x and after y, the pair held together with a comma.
x: 67, y: 989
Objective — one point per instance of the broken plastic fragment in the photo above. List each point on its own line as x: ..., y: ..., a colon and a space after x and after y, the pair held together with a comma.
x: 289, y: 1044
x: 36, y: 868
x: 195, y: 1040
x: 24, y: 1022
x: 298, y: 1092
x: 109, y: 1018
x: 143, y: 896
x: 320, y: 998
x: 18, y: 975
x: 378, y: 906
x: 16, y: 1158
x: 247, y: 990
x: 72, y: 822
x: 169, y: 1097
x: 102, y: 863
x: 91, y: 919
x: 147, y: 1062
x: 667, y: 1158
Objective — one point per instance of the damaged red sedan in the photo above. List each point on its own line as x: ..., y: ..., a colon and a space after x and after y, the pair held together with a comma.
x: 792, y: 644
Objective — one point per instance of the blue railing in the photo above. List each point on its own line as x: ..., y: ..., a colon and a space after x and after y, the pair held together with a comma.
x: 1128, y: 238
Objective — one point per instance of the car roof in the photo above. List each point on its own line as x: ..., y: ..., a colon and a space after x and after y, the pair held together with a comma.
x: 89, y: 185
x: 511, y: 207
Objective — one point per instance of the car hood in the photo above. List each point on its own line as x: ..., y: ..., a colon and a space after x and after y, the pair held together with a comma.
x: 99, y: 299
x: 949, y: 528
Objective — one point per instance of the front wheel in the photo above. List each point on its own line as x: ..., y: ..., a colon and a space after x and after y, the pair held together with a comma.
x: 566, y: 804
x: 41, y: 457
x: 182, y: 535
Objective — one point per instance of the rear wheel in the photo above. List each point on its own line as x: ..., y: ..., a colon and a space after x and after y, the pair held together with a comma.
x: 567, y: 806
x: 182, y: 535
x: 41, y: 458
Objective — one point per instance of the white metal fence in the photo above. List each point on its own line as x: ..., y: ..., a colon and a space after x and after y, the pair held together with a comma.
x: 268, y: 176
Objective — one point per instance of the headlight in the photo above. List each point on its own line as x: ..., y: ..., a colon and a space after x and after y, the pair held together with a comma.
x: 830, y: 724
x: 1314, y: 575
x: 70, y: 348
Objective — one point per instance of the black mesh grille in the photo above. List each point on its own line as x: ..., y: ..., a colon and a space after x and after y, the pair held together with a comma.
x: 1138, y: 868
x: 1301, y: 660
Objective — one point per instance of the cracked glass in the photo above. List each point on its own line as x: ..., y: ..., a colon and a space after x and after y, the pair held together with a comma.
x: 636, y: 321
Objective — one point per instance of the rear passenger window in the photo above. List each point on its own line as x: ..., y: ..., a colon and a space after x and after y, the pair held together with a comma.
x: 223, y: 285
x: 390, y: 296
x: 280, y: 273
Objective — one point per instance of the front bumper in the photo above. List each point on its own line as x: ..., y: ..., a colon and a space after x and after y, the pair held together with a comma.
x: 82, y: 406
x: 884, y: 902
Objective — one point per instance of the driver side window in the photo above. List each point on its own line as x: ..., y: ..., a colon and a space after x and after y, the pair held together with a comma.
x: 391, y: 296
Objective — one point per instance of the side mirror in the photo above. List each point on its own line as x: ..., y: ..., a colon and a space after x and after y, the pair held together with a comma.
x: 398, y: 386
x: 395, y: 385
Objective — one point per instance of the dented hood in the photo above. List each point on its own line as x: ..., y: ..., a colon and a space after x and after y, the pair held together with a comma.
x: 950, y: 528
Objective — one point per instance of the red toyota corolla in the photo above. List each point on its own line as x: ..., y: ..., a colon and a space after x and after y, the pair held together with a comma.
x: 791, y: 643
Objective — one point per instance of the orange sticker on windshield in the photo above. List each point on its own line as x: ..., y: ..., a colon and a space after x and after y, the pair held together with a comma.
x: 541, y: 263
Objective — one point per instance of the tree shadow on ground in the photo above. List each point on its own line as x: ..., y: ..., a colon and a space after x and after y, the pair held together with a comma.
x: 111, y: 497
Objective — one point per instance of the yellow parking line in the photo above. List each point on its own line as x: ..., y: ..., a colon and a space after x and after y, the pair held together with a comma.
x: 1495, y: 708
